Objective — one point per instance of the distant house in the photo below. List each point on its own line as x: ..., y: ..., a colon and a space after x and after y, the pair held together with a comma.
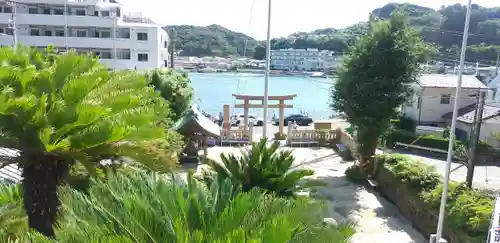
x: 494, y: 85
x: 433, y: 97
x: 490, y: 123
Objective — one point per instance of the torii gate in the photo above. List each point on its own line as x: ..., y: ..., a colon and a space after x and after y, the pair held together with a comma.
x: 246, y: 105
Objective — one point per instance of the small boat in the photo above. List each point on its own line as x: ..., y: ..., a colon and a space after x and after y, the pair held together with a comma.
x: 207, y: 70
x: 317, y: 75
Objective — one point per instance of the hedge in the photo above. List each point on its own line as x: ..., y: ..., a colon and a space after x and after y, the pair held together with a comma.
x: 429, y: 141
x: 468, y: 210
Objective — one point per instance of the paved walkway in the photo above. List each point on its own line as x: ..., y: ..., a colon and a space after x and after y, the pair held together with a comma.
x: 378, y: 221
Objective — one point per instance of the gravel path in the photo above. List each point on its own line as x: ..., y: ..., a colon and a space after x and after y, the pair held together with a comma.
x: 378, y: 221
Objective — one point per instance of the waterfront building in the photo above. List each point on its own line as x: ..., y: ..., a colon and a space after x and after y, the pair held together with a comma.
x: 303, y: 59
x: 86, y: 26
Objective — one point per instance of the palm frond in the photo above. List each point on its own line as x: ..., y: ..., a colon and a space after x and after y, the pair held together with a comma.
x: 265, y: 167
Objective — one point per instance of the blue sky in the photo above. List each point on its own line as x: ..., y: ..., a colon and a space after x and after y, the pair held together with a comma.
x: 288, y: 16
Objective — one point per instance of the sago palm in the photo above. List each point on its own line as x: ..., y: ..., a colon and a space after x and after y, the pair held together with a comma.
x: 265, y: 167
x: 153, y: 208
x: 59, y: 109
x: 12, y: 216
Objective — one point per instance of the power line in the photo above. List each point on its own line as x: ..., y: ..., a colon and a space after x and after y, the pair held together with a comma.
x: 248, y: 27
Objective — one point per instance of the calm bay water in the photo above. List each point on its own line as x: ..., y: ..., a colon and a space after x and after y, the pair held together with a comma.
x: 213, y: 90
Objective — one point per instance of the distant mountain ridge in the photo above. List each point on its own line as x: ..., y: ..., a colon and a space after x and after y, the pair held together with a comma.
x: 441, y: 27
x: 212, y: 40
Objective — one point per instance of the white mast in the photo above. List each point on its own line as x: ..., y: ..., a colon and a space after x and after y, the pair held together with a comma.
x: 268, y: 62
x: 438, y: 237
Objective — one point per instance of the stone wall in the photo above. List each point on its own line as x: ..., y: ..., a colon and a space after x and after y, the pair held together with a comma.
x: 344, y: 138
x: 413, y: 208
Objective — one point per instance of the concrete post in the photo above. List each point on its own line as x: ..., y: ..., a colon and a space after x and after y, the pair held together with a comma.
x: 289, y: 133
x: 226, y: 123
x: 245, y: 114
x: 282, y: 116
x: 250, y: 132
x: 432, y: 239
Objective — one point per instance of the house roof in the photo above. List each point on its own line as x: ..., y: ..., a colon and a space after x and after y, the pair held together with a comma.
x: 195, y: 122
x: 461, y: 111
x: 489, y: 111
x: 9, y: 173
x: 449, y: 81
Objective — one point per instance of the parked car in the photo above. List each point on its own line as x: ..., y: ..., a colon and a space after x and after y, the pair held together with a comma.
x: 301, y: 120
x: 239, y: 118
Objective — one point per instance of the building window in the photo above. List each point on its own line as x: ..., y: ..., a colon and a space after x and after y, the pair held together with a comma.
x: 48, y: 33
x: 165, y: 44
x: 80, y: 12
x: 105, y: 34
x: 9, y: 31
x: 7, y: 9
x: 2, y: 31
x: 81, y: 33
x: 105, y: 55
x: 142, y: 57
x: 124, y: 33
x: 60, y: 33
x: 46, y: 11
x: 35, y: 32
x: 58, y: 12
x: 105, y: 13
x: 445, y: 99
x: 142, y: 36
x: 123, y: 54
x: 33, y: 11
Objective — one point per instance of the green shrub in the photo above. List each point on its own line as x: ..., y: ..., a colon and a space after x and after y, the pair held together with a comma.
x: 263, y: 167
x: 279, y: 136
x: 354, y: 174
x: 151, y: 208
x: 468, y: 210
x: 13, y: 219
x: 404, y: 123
x: 429, y: 141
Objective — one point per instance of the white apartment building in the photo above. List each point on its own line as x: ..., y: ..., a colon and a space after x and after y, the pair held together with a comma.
x: 96, y: 26
x: 303, y: 59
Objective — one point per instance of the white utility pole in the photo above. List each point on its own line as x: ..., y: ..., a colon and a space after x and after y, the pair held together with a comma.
x: 442, y: 209
x: 268, y: 63
x: 12, y: 22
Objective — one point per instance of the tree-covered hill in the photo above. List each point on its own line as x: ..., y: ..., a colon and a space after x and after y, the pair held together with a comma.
x: 212, y: 40
x: 443, y: 27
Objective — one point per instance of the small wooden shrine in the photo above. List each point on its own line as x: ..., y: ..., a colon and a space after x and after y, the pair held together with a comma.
x: 196, y: 129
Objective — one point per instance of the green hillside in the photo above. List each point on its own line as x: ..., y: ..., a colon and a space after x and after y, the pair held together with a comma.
x: 442, y: 27
x: 212, y: 40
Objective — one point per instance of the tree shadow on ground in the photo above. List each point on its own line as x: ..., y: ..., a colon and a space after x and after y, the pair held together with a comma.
x: 394, y: 220
x: 340, y: 195
x: 358, y: 203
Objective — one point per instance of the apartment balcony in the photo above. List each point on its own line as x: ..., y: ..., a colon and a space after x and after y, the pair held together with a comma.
x: 59, y: 20
x: 76, y: 42
x: 60, y: 2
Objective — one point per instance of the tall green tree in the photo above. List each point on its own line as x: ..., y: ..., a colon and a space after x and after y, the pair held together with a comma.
x: 374, y: 79
x: 175, y: 88
x: 70, y: 108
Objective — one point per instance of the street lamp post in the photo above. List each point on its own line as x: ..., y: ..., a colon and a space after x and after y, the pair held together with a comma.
x: 442, y: 209
x: 268, y: 63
